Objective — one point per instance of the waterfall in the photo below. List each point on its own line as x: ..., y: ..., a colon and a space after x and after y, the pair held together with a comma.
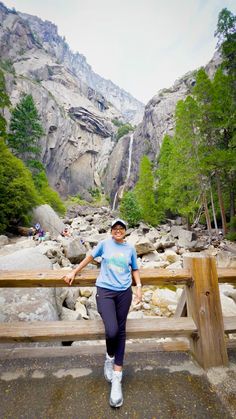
x: 114, y: 202
x: 130, y: 156
x: 128, y: 171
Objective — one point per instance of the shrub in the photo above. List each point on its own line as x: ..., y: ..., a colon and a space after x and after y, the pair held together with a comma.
x: 130, y: 209
x: 17, y: 190
x: 123, y: 130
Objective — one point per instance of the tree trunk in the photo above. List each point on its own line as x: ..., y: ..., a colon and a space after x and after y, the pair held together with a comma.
x: 207, y: 215
x: 213, y: 212
x: 221, y: 203
x: 232, y: 209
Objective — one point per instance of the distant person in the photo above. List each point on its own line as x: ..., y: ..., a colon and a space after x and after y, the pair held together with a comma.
x: 31, y: 233
x: 65, y: 232
x: 114, y: 297
x: 41, y: 235
x: 37, y: 227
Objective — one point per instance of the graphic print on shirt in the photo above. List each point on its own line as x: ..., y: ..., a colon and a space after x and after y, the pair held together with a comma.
x: 117, y: 262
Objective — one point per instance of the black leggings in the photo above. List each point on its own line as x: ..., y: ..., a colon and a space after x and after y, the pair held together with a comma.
x: 113, y: 307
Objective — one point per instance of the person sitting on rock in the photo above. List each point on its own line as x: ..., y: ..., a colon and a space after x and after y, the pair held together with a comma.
x: 41, y: 235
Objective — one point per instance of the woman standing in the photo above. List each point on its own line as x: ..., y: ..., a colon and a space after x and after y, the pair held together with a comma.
x: 114, y: 297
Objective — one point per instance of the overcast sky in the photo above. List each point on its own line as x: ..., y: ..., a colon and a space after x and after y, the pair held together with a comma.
x: 141, y: 45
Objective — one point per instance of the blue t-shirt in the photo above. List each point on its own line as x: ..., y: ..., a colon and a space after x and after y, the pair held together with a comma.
x: 118, y: 260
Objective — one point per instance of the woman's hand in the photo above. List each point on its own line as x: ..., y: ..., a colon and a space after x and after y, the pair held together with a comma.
x: 138, y: 295
x: 69, y: 278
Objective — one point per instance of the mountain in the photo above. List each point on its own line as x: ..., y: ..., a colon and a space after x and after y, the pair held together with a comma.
x: 78, y: 108
x: 158, y: 120
x: 76, y: 115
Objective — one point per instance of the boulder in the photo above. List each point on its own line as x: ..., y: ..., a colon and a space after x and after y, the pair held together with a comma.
x: 85, y: 292
x: 48, y: 219
x: 162, y: 297
x: 66, y: 297
x: 27, y: 304
x: 141, y: 244
x: 171, y: 256
x: 226, y: 259
x: 29, y: 258
x: 164, y: 242
x: 81, y: 309
x: 74, y: 249
x: 69, y: 315
x: 3, y: 240
x: 186, y: 238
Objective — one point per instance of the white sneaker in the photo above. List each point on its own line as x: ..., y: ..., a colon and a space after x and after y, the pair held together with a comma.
x: 116, y: 397
x: 108, y: 367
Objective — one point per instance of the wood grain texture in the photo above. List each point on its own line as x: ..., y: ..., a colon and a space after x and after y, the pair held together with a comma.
x: 93, y: 329
x: 203, y: 303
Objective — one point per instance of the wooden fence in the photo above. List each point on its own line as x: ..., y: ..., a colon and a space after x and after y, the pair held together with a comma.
x: 203, y: 323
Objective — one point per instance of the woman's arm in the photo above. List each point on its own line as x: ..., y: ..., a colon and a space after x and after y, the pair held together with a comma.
x: 137, y: 280
x: 69, y: 278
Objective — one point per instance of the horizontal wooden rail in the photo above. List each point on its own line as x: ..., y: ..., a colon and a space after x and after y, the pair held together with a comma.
x: 51, y: 278
x: 93, y: 329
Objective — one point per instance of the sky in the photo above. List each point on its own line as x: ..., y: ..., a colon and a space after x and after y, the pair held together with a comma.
x: 141, y: 45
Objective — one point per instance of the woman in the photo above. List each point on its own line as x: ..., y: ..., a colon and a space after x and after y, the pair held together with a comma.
x: 114, y: 297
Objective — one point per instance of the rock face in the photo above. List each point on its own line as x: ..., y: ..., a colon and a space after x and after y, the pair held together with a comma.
x: 98, y: 89
x: 71, y: 99
x: 158, y: 120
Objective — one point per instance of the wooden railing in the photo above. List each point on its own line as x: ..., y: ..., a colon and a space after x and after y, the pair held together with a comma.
x: 204, y: 324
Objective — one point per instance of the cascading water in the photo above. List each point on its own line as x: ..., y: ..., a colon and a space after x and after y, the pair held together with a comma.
x: 130, y: 157
x: 114, y: 202
x: 128, y: 172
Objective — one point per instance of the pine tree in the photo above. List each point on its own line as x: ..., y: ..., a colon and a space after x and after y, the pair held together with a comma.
x: 164, y: 176
x: 25, y: 130
x: 145, y: 192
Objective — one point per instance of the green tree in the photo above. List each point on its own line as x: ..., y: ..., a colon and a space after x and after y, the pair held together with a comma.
x: 25, y: 133
x: 4, y: 103
x: 145, y: 192
x: 25, y: 130
x: 123, y: 130
x: 226, y: 25
x: 186, y: 180
x: 17, y: 190
x: 164, y: 176
x: 130, y: 209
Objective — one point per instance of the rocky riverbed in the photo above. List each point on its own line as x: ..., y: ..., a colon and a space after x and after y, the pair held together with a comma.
x: 161, y: 247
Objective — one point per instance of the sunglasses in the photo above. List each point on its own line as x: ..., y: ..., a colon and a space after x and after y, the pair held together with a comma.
x: 118, y: 229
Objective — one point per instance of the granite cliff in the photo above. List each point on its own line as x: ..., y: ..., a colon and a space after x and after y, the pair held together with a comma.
x: 158, y: 120
x: 76, y: 115
x: 77, y: 108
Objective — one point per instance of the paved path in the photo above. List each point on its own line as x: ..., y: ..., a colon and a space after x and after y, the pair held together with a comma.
x: 157, y: 385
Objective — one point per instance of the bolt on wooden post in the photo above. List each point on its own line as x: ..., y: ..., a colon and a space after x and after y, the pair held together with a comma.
x: 203, y: 304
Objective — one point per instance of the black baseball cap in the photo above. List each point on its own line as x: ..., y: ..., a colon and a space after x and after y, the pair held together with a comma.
x: 119, y: 221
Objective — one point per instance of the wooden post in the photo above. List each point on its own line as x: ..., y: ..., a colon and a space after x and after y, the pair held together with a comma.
x: 203, y: 302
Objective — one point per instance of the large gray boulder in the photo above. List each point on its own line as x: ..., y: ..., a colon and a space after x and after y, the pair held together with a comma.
x: 48, y: 219
x: 74, y: 250
x: 27, y: 304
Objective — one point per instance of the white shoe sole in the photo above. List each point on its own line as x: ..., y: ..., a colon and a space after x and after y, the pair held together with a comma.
x: 118, y: 404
